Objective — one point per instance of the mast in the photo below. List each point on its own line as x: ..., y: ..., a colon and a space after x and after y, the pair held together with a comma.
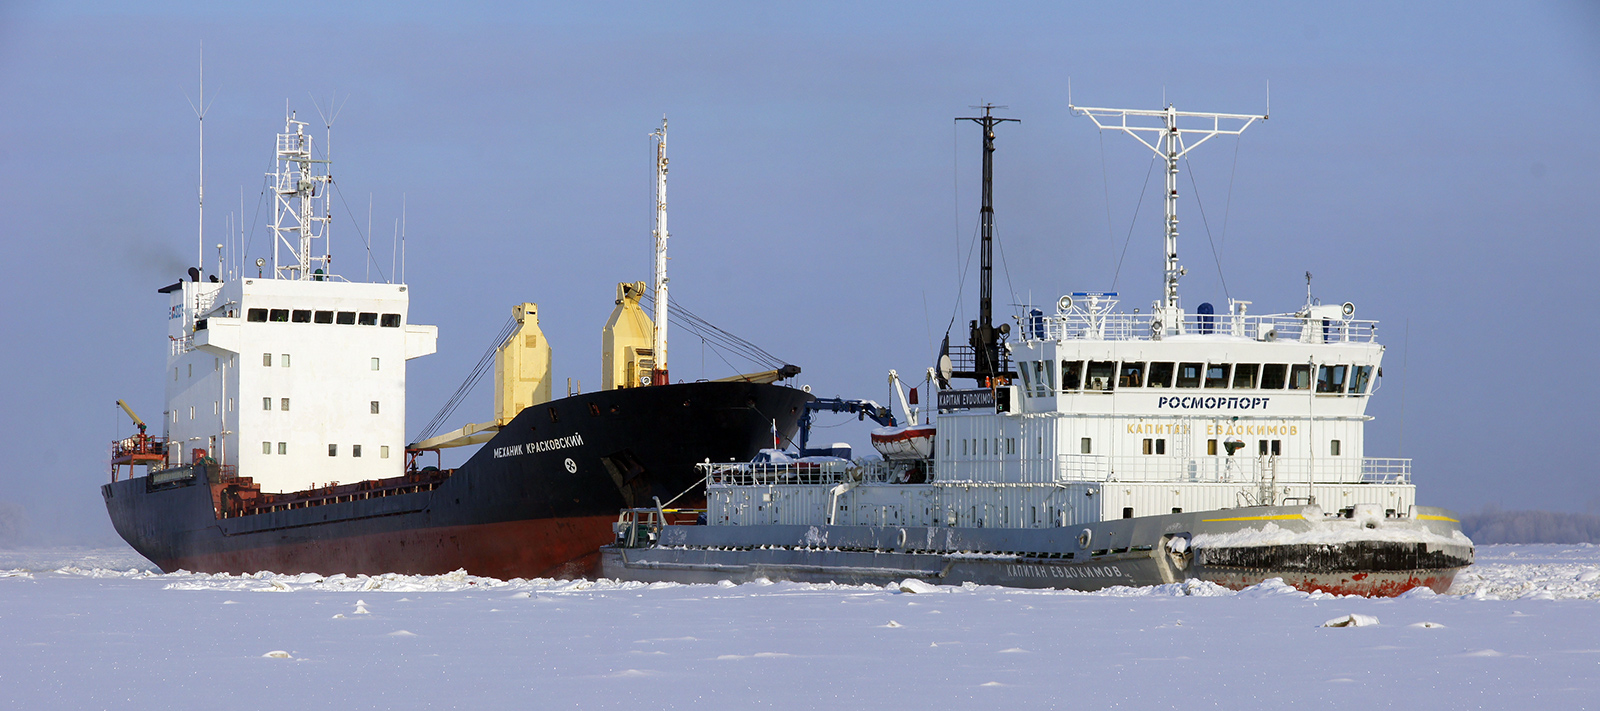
x: 658, y: 375
x: 1168, y: 142
x: 200, y: 109
x: 298, y: 184
x: 987, y: 362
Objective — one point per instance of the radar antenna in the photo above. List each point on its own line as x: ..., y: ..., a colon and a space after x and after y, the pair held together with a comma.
x: 300, y: 184
x: 1169, y: 140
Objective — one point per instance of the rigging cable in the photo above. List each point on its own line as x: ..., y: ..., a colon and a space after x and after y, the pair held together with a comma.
x: 484, y: 365
x: 715, y: 336
x: 1228, y: 207
x: 1129, y: 239
x: 353, y: 221
x: 1207, y: 225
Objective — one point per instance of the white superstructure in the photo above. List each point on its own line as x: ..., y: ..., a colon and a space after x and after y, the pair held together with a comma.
x: 1115, y: 414
x: 297, y: 378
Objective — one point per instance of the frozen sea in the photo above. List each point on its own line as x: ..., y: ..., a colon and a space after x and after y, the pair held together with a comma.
x: 93, y: 629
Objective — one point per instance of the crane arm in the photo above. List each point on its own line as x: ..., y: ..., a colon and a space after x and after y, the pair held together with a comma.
x: 125, y: 408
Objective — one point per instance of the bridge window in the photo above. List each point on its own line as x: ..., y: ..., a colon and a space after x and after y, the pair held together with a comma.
x: 1102, y: 374
x: 346, y: 318
x: 323, y: 317
x: 256, y: 315
x: 300, y: 316
x: 1273, y: 375
x: 369, y: 319
x: 1189, y: 375
x: 1330, y: 378
x: 391, y: 320
x: 1160, y: 375
x: 1071, y: 374
x: 1300, y: 377
x: 1217, y: 375
x: 1244, y: 375
x: 1360, y: 379
x: 279, y: 315
x: 1132, y: 375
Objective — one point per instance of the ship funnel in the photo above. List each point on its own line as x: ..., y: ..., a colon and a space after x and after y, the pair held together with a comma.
x: 521, y: 366
x: 627, y: 350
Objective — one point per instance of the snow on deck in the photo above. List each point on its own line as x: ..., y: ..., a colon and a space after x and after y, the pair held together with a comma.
x: 99, y: 629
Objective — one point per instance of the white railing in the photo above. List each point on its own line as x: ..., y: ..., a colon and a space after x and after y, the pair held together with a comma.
x: 182, y: 345
x: 827, y: 472
x: 1129, y: 327
x: 1284, y: 470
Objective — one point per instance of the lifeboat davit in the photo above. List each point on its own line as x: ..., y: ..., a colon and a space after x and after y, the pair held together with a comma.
x: 912, y: 442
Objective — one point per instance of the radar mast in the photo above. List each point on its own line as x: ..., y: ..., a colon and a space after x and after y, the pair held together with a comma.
x: 1168, y: 140
x: 300, y: 187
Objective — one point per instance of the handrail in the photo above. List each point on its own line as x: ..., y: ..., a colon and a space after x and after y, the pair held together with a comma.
x: 1079, y: 325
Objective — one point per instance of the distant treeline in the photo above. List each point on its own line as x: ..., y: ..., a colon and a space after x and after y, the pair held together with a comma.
x: 1495, y: 526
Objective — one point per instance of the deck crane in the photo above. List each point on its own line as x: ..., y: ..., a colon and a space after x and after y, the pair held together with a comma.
x: 862, y: 409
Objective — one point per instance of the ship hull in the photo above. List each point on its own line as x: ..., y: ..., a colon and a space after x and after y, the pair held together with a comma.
x: 536, y: 500
x: 1349, y: 558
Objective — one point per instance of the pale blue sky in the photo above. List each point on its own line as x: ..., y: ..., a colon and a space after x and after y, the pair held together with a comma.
x: 1428, y: 161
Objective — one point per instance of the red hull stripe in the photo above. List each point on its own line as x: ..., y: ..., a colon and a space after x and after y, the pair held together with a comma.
x: 564, y: 548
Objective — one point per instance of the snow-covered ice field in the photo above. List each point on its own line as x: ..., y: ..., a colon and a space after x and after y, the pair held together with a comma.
x: 89, y: 629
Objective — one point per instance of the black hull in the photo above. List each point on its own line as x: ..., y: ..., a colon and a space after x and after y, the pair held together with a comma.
x: 536, y: 500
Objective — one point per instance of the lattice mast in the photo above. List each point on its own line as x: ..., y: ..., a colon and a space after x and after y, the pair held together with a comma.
x: 658, y: 375
x: 1168, y: 141
x: 300, y: 215
x: 987, y: 364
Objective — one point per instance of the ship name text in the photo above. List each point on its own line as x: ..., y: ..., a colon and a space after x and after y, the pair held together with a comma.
x: 1051, y: 571
x: 549, y: 445
x: 1207, y: 403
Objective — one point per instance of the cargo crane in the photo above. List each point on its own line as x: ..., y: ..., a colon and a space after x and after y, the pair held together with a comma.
x: 139, y: 450
x: 862, y: 409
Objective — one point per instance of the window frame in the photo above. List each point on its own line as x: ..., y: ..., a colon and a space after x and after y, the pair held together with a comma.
x: 1156, y: 369
x: 1254, y: 369
x: 1194, y: 381
x: 1076, y: 367
x: 1130, y: 374
x: 1109, y: 368
x: 1222, y: 381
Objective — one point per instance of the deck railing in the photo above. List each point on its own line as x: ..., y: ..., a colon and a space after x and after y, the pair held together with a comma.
x: 1238, y: 469
x: 1128, y: 327
x: 1067, y: 468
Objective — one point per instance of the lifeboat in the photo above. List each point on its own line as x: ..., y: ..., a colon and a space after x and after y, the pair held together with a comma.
x: 911, y: 442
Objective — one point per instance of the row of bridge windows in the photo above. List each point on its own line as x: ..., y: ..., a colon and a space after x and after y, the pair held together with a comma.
x: 1039, y: 377
x: 347, y: 318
